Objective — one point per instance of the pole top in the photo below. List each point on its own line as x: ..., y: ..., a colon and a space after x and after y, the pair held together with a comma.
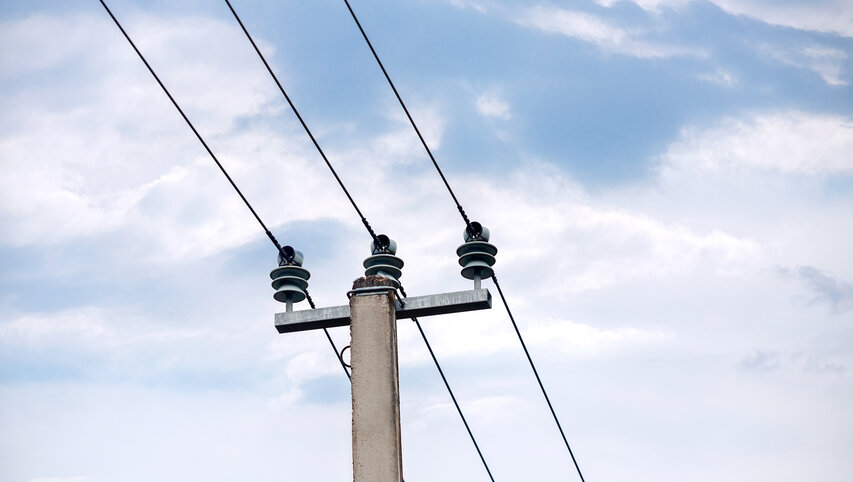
x: 371, y: 281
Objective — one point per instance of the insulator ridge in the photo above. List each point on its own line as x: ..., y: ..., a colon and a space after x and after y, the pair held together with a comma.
x: 290, y: 279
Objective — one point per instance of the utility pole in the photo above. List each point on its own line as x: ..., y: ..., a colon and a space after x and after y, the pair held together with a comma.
x: 376, y: 447
x: 372, y: 315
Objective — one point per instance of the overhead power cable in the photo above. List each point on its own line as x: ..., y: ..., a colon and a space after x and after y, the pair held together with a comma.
x: 219, y: 164
x: 364, y: 221
x: 411, y: 120
x: 468, y: 226
x: 304, y: 125
x: 449, y: 390
x: 192, y: 127
x: 535, y: 372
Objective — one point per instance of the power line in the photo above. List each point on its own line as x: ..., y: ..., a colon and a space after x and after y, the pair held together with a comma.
x: 459, y: 410
x: 449, y: 390
x: 535, y: 372
x: 364, y: 221
x: 304, y: 125
x: 411, y: 120
x: 468, y: 226
x: 219, y: 164
x: 192, y: 127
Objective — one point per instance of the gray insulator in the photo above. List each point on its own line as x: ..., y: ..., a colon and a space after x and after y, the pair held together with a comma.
x: 383, y: 262
x: 290, y: 280
x: 477, y: 256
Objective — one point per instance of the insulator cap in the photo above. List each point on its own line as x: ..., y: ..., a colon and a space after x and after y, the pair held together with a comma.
x: 288, y: 256
x: 475, y: 232
x: 477, y: 256
x: 383, y: 262
x: 289, y: 279
x: 386, y: 245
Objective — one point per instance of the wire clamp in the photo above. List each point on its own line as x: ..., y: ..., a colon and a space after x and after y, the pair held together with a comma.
x: 369, y: 290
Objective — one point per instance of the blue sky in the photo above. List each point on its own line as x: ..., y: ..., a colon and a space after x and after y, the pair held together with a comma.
x: 669, y: 183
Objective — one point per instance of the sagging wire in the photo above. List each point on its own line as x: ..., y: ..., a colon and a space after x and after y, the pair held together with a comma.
x: 469, y: 227
x: 376, y: 239
x: 447, y: 385
x: 216, y: 160
x: 304, y: 125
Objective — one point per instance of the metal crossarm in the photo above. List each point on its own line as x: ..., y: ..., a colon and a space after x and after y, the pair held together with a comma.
x: 415, y: 306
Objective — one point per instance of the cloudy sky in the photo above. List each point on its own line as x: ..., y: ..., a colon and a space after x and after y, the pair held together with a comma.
x: 669, y: 182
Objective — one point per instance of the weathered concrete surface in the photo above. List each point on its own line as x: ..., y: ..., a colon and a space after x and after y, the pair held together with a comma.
x: 376, y: 448
x: 370, y: 281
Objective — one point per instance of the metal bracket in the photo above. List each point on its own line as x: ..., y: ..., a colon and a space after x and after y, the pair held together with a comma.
x: 369, y: 290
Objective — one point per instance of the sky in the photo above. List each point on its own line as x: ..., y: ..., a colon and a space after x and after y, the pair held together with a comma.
x: 669, y: 184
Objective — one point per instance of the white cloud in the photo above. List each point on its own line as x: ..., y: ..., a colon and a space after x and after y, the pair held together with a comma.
x: 788, y: 142
x: 94, y: 329
x: 591, y: 29
x: 554, y: 338
x: 478, y: 6
x: 308, y: 365
x: 831, y: 16
x: 645, y: 301
x: 720, y: 77
x: 212, y: 436
x: 490, y: 105
x: 87, y: 167
x: 827, y: 62
x: 609, y: 246
x: 82, y: 166
x: 582, y: 26
x: 651, y: 5
x: 398, y: 145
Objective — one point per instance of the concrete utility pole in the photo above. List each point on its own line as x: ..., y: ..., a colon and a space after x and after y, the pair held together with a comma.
x: 372, y: 314
x: 376, y: 448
